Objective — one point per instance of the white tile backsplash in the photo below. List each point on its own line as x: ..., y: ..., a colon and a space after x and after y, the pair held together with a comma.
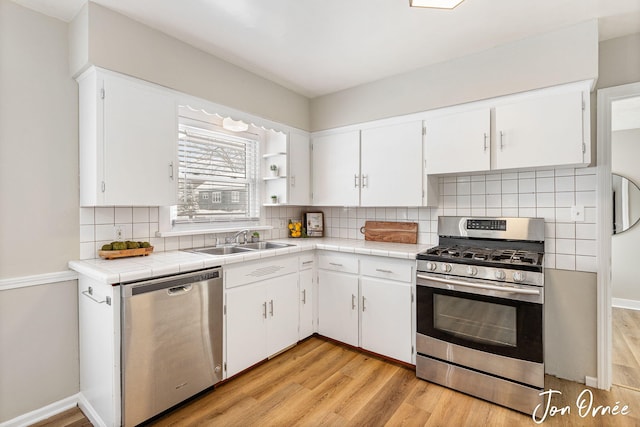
x: 547, y: 194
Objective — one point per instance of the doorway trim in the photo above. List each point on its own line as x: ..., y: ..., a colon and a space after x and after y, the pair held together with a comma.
x: 605, y: 220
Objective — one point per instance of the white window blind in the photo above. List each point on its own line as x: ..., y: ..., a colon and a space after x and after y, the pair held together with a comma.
x: 217, y: 175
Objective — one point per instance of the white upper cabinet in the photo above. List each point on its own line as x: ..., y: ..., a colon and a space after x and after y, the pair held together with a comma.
x: 458, y: 142
x: 545, y: 131
x: 128, y: 141
x: 377, y: 166
x: 336, y: 169
x: 300, y: 172
x: 543, y: 128
x: 391, y: 165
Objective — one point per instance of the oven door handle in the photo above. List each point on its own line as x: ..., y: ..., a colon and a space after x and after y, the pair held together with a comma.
x: 506, y: 289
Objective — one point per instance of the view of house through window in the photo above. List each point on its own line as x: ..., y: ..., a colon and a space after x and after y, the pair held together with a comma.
x: 217, y: 174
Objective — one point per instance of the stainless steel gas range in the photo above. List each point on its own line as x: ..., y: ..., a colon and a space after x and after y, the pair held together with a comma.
x: 480, y: 309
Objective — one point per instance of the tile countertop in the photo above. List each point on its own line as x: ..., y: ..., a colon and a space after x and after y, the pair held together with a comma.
x: 173, y: 262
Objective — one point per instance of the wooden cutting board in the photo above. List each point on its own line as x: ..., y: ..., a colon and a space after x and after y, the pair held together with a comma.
x: 395, y: 232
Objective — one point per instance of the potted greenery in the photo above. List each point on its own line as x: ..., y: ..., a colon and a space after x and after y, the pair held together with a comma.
x: 274, y: 199
x: 255, y: 237
x: 274, y: 170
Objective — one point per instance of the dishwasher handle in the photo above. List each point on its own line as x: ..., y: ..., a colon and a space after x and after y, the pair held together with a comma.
x: 179, y: 290
x: 179, y: 284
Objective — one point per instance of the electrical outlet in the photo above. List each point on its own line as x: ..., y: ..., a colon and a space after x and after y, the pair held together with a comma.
x: 118, y: 233
x: 577, y: 213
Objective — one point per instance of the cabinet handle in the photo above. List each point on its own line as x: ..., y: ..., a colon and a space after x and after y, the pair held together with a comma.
x: 264, y: 308
x: 355, y: 181
x: 365, y: 181
x: 171, y: 170
x: 304, y: 296
x: 484, y: 145
x: 363, y: 300
x: 307, y: 262
x: 383, y: 271
x: 271, y: 308
x: 501, y: 140
x: 353, y: 302
x: 293, y: 180
x: 336, y: 264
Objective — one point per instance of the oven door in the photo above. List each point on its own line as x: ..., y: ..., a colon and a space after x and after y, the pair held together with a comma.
x: 503, y: 320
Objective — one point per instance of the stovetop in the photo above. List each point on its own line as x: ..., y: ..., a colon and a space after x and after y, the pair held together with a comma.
x: 518, y: 259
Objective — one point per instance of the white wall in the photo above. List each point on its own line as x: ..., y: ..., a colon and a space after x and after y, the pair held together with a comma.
x: 619, y: 61
x: 39, y: 215
x: 625, y: 152
x: 121, y: 44
x: 550, y: 59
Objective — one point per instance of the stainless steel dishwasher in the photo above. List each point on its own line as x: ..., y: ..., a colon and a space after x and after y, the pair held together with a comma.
x: 171, y: 341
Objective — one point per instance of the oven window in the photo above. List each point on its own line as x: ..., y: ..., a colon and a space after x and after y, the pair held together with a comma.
x: 477, y: 321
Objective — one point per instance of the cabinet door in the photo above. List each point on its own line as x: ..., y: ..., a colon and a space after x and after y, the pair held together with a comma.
x: 247, y: 313
x: 299, y: 167
x: 336, y: 169
x: 306, y: 304
x: 545, y: 131
x: 391, y: 165
x: 386, y: 318
x: 458, y: 142
x: 282, y: 307
x: 338, y: 306
x: 140, y: 144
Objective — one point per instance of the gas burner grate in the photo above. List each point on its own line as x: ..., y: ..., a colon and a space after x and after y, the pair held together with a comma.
x: 515, y: 257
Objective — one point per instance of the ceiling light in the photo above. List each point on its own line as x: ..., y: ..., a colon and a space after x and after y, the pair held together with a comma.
x: 234, y: 125
x: 438, y: 4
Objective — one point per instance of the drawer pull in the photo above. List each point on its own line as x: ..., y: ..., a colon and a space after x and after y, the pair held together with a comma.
x: 336, y: 264
x: 383, y: 271
x: 307, y: 262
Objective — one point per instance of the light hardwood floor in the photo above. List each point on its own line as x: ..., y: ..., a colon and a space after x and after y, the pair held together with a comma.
x: 321, y: 383
x: 626, y: 347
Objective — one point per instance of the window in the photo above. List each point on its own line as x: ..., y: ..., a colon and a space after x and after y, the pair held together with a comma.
x: 217, y: 175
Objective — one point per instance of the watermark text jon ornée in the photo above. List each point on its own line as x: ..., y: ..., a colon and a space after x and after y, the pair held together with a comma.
x: 584, y: 407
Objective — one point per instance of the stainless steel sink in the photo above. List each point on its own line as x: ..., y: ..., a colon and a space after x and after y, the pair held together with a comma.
x: 264, y: 245
x: 221, y: 250
x: 235, y: 249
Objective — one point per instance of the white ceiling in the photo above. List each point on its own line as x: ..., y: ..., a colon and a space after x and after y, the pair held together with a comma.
x: 320, y: 47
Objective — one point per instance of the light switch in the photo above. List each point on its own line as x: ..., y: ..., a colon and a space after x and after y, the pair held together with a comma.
x: 577, y: 213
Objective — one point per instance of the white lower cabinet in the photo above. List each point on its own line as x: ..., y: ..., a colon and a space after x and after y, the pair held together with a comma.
x: 261, y: 310
x: 306, y: 325
x: 386, y: 318
x: 367, y: 302
x: 262, y: 320
x: 338, y: 306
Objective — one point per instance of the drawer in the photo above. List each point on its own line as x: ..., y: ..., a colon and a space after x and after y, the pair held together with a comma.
x: 338, y: 262
x: 246, y: 273
x: 385, y: 268
x: 306, y: 262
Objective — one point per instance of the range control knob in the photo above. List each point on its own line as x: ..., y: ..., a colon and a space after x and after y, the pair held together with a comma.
x: 472, y: 271
x: 445, y: 267
x: 500, y: 275
x: 518, y: 276
x: 431, y: 266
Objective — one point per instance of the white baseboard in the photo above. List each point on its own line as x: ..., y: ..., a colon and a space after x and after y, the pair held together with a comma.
x: 591, y: 382
x: 43, y: 413
x: 630, y: 304
x: 89, y: 412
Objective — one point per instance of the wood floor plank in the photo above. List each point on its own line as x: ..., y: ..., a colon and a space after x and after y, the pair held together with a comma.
x: 321, y: 383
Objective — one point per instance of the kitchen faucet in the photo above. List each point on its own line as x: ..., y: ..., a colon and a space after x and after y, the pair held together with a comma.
x: 244, y: 232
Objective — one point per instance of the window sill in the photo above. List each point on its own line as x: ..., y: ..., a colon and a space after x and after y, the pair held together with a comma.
x: 212, y: 230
